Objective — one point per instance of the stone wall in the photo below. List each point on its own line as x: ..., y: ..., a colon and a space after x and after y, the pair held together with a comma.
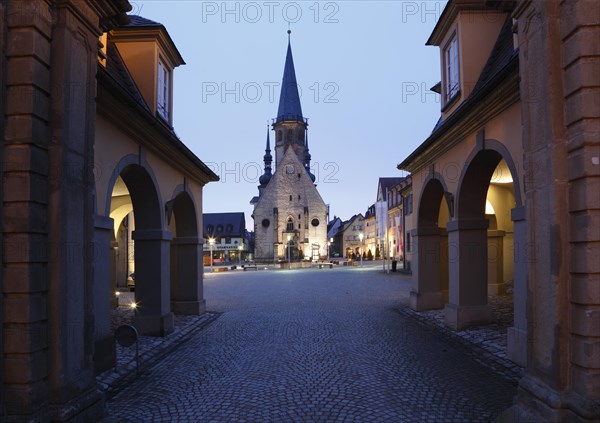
x: 559, y: 48
x: 305, y: 202
x: 49, y: 56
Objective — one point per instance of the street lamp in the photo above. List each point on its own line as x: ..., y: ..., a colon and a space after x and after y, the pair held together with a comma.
x: 211, y: 242
x: 360, y: 236
x: 289, y: 237
x: 241, y: 247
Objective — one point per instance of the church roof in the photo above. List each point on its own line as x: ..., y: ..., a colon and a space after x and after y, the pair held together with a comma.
x: 289, y: 98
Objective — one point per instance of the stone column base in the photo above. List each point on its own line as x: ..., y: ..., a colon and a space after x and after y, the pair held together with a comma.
x: 459, y: 317
x: 516, y: 346
x: 537, y: 402
x: 105, y: 355
x: 154, y: 325
x: 195, y: 308
x: 422, y: 301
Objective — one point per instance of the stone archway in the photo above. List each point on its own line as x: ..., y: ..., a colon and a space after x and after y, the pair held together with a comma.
x: 186, y: 256
x: 483, y: 261
x: 430, y: 266
x: 151, y: 251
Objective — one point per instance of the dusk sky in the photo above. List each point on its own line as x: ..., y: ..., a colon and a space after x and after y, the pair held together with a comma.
x: 364, y: 73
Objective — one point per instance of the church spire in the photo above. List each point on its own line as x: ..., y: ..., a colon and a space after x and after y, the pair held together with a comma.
x: 307, y: 156
x: 266, y: 177
x: 289, y: 99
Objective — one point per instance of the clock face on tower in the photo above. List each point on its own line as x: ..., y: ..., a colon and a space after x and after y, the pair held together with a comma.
x: 290, y: 169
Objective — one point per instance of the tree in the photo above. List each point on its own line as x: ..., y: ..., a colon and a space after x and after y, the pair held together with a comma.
x: 370, y: 255
x: 377, y: 253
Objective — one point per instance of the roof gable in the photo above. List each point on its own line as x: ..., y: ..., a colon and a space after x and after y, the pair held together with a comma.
x: 280, y: 175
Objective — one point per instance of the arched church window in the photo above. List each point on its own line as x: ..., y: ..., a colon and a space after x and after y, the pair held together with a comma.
x: 301, y: 135
x: 279, y: 135
x: 290, y: 224
x: 289, y: 135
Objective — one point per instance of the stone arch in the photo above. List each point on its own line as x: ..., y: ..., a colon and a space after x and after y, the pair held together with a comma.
x: 151, y: 241
x: 433, y: 192
x: 134, y: 162
x: 486, y: 155
x: 186, y: 265
x: 475, y: 240
x: 430, y: 265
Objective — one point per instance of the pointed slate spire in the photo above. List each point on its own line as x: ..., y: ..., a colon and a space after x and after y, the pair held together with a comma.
x: 266, y: 177
x: 289, y: 99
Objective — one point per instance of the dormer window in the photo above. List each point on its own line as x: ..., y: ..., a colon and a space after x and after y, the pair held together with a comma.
x: 163, y: 94
x: 451, y: 73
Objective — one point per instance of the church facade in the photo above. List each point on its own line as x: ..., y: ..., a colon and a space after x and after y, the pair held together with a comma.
x: 290, y: 217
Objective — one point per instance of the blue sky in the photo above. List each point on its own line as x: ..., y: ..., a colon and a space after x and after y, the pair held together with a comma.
x: 364, y: 73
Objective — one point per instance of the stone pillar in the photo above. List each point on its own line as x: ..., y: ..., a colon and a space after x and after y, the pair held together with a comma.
x: 114, y: 265
x: 50, y: 61
x: 26, y: 58
x: 558, y: 59
x: 187, y: 295
x: 517, y: 334
x: 467, y: 246
x: 104, y: 345
x: 426, y: 293
x: 496, y: 283
x: 152, y: 282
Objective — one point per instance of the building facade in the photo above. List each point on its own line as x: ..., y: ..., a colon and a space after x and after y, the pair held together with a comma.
x: 225, y: 237
x: 290, y: 217
x: 506, y: 192
x: 87, y: 141
x: 347, y: 241
x: 381, y: 213
x: 371, y: 240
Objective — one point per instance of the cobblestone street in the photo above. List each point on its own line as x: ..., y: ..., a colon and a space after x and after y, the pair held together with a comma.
x: 313, y: 346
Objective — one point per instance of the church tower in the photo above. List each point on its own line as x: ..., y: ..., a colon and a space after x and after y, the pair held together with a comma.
x: 290, y: 217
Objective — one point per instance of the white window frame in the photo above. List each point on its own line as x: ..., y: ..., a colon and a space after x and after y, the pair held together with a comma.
x: 451, y: 69
x: 163, y: 97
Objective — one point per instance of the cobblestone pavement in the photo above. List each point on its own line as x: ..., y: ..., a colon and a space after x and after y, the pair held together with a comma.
x: 150, y: 348
x: 313, y: 346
